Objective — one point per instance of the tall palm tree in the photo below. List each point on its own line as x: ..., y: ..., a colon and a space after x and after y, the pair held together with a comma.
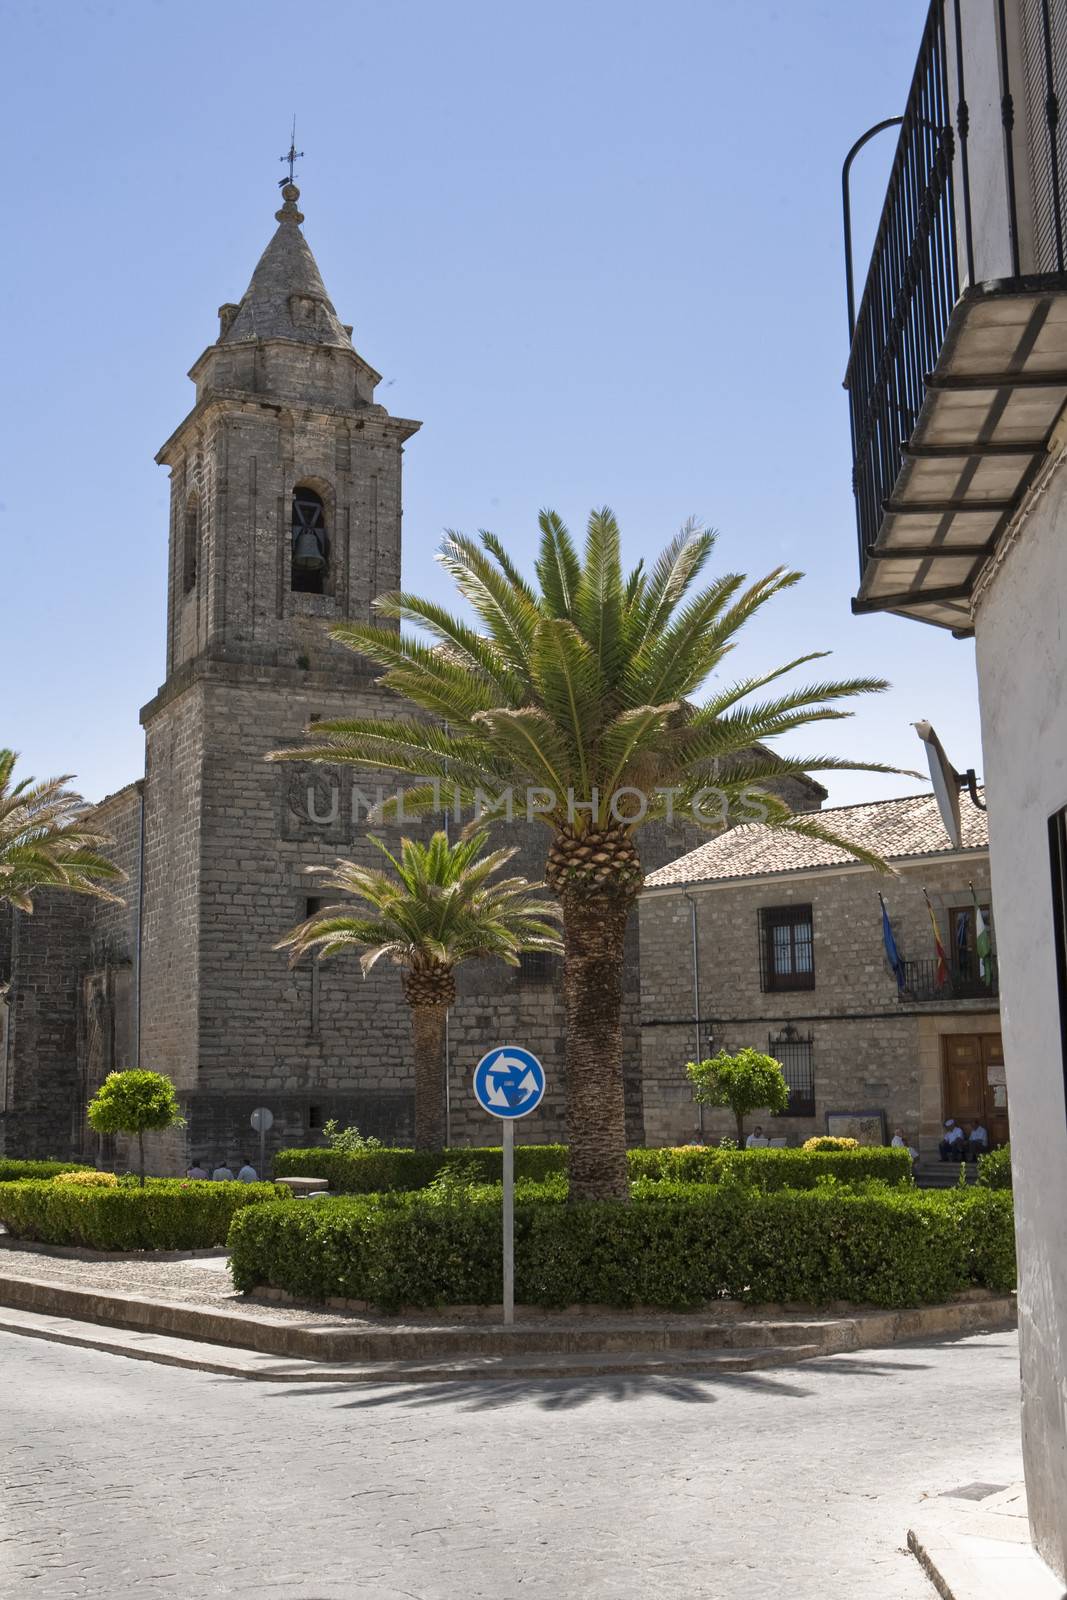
x: 436, y: 909
x: 45, y: 841
x: 581, y: 688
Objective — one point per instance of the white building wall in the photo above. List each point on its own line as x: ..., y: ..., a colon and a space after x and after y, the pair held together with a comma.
x: 1021, y: 634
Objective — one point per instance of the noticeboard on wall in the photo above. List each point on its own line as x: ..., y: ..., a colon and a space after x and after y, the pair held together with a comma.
x: 866, y: 1127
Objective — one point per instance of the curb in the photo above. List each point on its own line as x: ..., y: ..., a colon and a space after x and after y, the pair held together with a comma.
x: 682, y: 1339
x: 249, y: 1364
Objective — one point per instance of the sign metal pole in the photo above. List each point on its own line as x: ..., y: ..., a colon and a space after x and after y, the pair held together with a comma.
x: 509, y: 1221
x: 509, y: 1082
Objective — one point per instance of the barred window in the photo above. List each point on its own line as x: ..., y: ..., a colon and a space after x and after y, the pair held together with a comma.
x: 536, y: 967
x: 787, y: 954
x: 795, y: 1054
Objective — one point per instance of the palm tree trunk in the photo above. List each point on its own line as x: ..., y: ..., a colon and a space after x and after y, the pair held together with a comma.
x: 594, y: 932
x: 428, y: 1034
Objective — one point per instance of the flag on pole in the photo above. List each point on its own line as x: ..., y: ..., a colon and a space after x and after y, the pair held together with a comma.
x: 891, y: 952
x: 942, y: 964
x: 983, y: 942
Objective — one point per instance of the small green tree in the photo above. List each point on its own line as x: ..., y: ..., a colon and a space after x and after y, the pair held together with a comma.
x: 748, y: 1081
x: 135, y: 1102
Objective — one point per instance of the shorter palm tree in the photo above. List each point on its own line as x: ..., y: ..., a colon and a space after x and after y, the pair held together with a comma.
x: 436, y: 909
x: 45, y: 841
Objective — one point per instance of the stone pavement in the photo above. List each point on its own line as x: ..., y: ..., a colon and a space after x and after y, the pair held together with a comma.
x: 144, y: 1481
x: 975, y: 1544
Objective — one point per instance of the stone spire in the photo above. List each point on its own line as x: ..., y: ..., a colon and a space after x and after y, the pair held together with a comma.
x: 286, y: 298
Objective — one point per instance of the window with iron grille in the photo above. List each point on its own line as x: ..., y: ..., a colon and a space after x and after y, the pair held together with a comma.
x: 794, y: 1052
x: 536, y: 966
x: 786, y: 942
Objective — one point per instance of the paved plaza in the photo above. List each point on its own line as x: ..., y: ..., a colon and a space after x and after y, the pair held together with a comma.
x: 128, y: 1479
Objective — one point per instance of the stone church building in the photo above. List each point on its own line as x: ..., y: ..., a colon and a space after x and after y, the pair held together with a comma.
x: 285, y: 515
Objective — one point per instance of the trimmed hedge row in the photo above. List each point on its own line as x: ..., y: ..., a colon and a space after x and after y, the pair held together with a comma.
x: 168, y: 1214
x: 684, y: 1246
x: 12, y: 1171
x: 376, y: 1171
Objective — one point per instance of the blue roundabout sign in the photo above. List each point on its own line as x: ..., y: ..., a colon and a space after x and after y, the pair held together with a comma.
x: 509, y: 1082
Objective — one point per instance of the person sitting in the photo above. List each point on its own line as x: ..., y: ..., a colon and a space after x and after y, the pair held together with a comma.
x: 248, y: 1173
x: 898, y: 1142
x: 757, y: 1139
x: 978, y: 1143
x: 197, y: 1170
x: 222, y: 1173
x: 953, y: 1146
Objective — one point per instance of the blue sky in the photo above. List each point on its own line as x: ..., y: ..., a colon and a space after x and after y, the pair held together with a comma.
x: 596, y: 248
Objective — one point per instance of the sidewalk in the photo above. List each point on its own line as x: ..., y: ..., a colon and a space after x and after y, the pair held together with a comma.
x: 974, y: 1544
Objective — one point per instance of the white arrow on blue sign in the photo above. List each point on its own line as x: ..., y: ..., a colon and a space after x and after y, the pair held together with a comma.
x: 509, y: 1082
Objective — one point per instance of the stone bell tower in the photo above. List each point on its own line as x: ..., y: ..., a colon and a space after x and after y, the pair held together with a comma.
x: 285, y: 516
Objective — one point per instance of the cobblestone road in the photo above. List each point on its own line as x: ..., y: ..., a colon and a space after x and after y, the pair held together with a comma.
x: 130, y: 1480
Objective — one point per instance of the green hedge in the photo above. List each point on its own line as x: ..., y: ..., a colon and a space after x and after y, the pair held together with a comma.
x: 168, y: 1214
x: 994, y: 1169
x: 772, y: 1169
x: 376, y: 1171
x: 676, y: 1245
x: 12, y: 1171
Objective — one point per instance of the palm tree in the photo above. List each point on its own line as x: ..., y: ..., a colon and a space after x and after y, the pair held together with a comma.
x: 580, y: 687
x: 436, y: 909
x: 45, y: 841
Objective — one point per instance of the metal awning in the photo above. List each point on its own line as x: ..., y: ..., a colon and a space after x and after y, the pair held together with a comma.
x: 988, y: 414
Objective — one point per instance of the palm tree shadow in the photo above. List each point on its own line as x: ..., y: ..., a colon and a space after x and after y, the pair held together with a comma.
x: 567, y: 1394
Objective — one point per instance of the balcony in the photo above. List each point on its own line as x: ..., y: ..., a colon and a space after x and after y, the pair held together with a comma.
x: 957, y: 373
x: 963, y: 981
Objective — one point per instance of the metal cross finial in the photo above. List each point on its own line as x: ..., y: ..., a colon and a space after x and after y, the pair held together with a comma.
x: 292, y: 158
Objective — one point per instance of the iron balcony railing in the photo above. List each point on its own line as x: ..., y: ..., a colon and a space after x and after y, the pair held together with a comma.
x: 912, y: 286
x: 964, y: 980
x: 919, y: 265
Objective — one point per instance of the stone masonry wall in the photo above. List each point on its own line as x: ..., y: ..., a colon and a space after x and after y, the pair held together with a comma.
x: 867, y: 1046
x: 170, y: 943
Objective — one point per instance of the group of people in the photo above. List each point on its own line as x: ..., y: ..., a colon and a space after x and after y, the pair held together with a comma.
x: 963, y: 1143
x: 224, y: 1173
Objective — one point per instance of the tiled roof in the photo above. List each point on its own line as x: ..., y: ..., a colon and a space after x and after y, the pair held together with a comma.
x: 892, y: 829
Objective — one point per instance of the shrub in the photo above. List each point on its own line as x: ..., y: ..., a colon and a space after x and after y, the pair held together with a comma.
x: 747, y: 1081
x: 830, y: 1141
x: 348, y: 1139
x: 167, y: 1214
x: 88, y: 1180
x: 677, y: 1245
x: 12, y: 1171
x: 374, y: 1172
x: 135, y: 1102
x: 994, y: 1168
x: 772, y: 1169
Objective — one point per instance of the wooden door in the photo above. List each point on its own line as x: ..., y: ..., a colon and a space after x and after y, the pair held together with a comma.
x: 974, y: 1088
x: 996, y: 1088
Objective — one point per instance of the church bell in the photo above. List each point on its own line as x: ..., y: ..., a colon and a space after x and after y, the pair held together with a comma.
x: 307, y: 551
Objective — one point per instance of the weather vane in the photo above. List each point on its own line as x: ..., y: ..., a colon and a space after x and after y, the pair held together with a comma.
x: 292, y: 158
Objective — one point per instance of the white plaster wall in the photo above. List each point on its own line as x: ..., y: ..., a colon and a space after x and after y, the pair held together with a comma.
x: 1021, y: 637
x: 985, y: 144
